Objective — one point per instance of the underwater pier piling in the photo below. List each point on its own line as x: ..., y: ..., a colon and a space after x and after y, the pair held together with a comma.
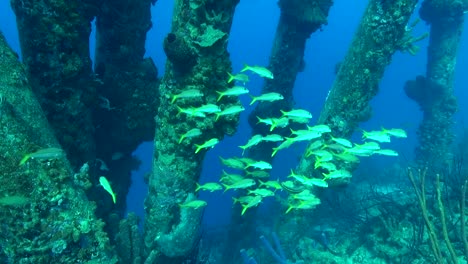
x: 54, y: 38
x: 127, y: 97
x: 381, y: 33
x: 200, y: 31
x: 434, y: 92
x: 45, y: 215
x: 298, y: 20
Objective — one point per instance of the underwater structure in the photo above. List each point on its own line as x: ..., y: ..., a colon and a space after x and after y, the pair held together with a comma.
x: 434, y: 92
x: 298, y: 21
x: 59, y: 68
x: 69, y: 128
x: 46, y: 217
x: 195, y: 69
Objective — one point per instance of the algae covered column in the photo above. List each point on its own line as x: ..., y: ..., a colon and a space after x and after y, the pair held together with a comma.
x: 197, y: 66
x: 298, y: 20
x: 128, y: 98
x: 434, y: 93
x: 382, y: 31
x: 54, y: 37
x: 44, y: 212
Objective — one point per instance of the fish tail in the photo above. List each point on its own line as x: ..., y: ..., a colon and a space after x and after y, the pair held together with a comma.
x: 246, y: 67
x: 217, y: 116
x: 173, y: 99
x: 274, y: 152
x: 114, y: 199
x: 24, y: 159
x: 244, y: 208
x: 181, y: 139
x: 254, y: 99
x: 273, y: 127
x: 289, y: 209
x: 198, y: 187
x: 220, y: 96
x: 261, y: 183
x: 259, y: 120
x: 231, y: 77
x: 199, y: 147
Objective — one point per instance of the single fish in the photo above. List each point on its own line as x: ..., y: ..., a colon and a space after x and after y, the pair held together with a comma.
x: 234, y: 163
x: 273, y: 138
x: 262, y: 192
x: 328, y: 166
x: 228, y: 178
x: 208, y: 144
x: 343, y: 141
x: 241, y: 77
x: 106, y: 185
x: 347, y: 157
x: 268, y: 97
x: 252, y: 203
x: 252, y: 142
x: 190, y: 93
x: 305, y: 136
x: 305, y: 195
x: 258, y: 174
x: 195, y: 132
x: 194, y: 204
x: 261, y: 165
x: 208, y: 109
x: 283, y: 145
x: 297, y: 113
x: 266, y: 121
x: 378, y: 136
x: 261, y: 71
x: 234, y: 91
x: 242, y: 184
x: 396, y: 132
x: 320, y: 128
x: 209, y: 186
x: 232, y: 110
x: 337, y: 174
x: 243, y: 199
x: 271, y: 184
x: 191, y: 111
x: 43, y: 154
x: 309, y: 204
x: 279, y: 122
x: 386, y: 152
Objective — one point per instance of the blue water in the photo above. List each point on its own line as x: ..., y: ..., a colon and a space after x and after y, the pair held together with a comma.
x: 250, y: 42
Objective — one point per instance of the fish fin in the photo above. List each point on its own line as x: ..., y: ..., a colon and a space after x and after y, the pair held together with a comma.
x: 254, y: 99
x: 244, y: 208
x: 199, y: 147
x: 231, y: 77
x: 261, y: 183
x: 274, y: 152
x: 246, y: 68
x: 24, y: 159
x: 181, y: 139
x: 220, y: 96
